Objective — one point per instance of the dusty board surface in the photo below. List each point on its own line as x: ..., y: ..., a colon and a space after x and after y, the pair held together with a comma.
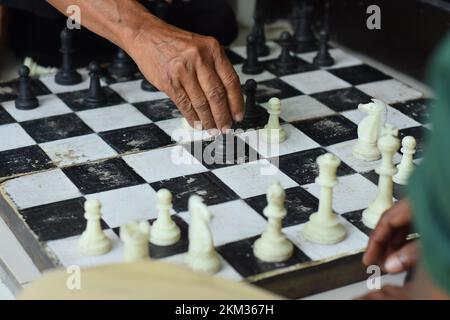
x: 55, y: 157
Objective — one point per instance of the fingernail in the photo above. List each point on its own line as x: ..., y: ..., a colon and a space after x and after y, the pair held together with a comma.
x: 226, y: 128
x: 393, y: 264
x: 239, y: 117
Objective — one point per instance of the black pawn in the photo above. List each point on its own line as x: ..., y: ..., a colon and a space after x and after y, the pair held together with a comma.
x: 286, y: 61
x: 252, y: 64
x: 304, y: 39
x: 95, y: 96
x: 323, y: 57
x: 26, y: 100
x: 67, y: 75
x: 254, y: 116
x: 262, y: 49
x: 122, y: 65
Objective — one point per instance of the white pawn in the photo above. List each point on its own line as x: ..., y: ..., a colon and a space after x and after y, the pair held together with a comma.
x: 134, y: 236
x: 324, y: 226
x: 93, y: 241
x: 164, y: 231
x: 201, y: 255
x: 388, y: 145
x: 273, y: 246
x: 273, y: 133
x: 369, y: 130
x: 406, y: 166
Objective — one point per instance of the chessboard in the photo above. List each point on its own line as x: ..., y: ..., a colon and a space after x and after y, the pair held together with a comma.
x: 56, y: 156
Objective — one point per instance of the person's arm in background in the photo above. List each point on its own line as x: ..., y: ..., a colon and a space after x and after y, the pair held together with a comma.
x: 191, y: 69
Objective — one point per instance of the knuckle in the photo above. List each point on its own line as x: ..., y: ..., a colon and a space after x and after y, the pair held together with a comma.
x: 183, y: 102
x: 230, y: 78
x: 177, y: 67
x: 201, y: 107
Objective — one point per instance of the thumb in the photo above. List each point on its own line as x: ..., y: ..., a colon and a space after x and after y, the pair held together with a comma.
x: 403, y: 259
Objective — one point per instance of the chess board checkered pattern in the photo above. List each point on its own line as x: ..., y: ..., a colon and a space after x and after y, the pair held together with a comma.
x: 55, y: 157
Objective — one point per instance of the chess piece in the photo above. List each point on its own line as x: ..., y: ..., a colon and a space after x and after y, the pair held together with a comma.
x: 388, y: 145
x: 134, y: 236
x: 93, y: 241
x: 201, y: 255
x: 67, y: 75
x: 323, y: 57
x: 164, y: 231
x: 324, y: 226
x: 273, y: 132
x: 406, y: 166
x: 122, y: 65
x: 273, y: 246
x: 262, y: 49
x: 303, y: 39
x: 224, y: 148
x: 285, y: 62
x: 26, y: 99
x: 252, y: 64
x: 369, y: 130
x: 37, y: 70
x: 253, y: 115
x: 147, y: 86
x: 95, y: 96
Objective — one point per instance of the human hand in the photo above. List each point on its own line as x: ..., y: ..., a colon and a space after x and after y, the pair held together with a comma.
x: 192, y: 70
x: 388, y: 246
x: 389, y: 292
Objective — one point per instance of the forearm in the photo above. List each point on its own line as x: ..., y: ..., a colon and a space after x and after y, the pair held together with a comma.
x: 119, y: 21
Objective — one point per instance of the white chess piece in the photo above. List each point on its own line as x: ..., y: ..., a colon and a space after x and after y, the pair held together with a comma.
x: 406, y: 166
x: 388, y: 145
x: 324, y: 226
x: 93, y: 241
x: 164, y: 231
x: 134, y: 236
x: 273, y: 133
x: 369, y: 130
x: 201, y: 255
x: 273, y: 246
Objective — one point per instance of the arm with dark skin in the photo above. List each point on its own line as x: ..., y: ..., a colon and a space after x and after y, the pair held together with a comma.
x: 191, y: 69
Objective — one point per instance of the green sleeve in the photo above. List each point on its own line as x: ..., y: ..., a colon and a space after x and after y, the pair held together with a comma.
x: 429, y: 189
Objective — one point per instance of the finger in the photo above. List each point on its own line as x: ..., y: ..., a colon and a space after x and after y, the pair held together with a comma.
x: 396, y: 217
x: 198, y: 100
x: 403, y: 259
x: 232, y: 85
x: 216, y: 95
x: 182, y: 101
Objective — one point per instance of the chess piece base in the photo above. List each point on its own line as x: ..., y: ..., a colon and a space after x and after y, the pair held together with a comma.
x: 324, y: 232
x: 252, y: 70
x: 147, y: 86
x: 65, y: 78
x: 122, y: 70
x: 273, y: 250
x: 323, y: 62
x: 27, y: 104
x: 274, y: 136
x: 373, y: 213
x: 92, y: 103
x: 208, y: 263
x: 402, y: 176
x: 94, y: 247
x: 366, y: 152
x: 165, y: 235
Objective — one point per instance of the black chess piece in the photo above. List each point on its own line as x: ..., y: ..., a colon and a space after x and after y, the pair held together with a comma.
x: 285, y: 62
x: 122, y: 65
x: 67, y: 75
x: 323, y: 57
x: 254, y: 116
x: 147, y: 86
x: 95, y: 96
x: 252, y: 64
x: 303, y: 38
x: 262, y: 49
x: 26, y: 100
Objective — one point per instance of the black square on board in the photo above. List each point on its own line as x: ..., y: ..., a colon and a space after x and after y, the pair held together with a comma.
x: 342, y: 99
x: 299, y: 204
x: 355, y: 218
x: 5, y: 117
x: 56, y: 128
x: 8, y: 90
x: 24, y: 160
x: 328, y: 130
x: 419, y: 109
x: 234, y: 57
x: 275, y: 88
x: 157, y: 110
x: 420, y: 134
x: 75, y: 99
x: 205, y: 184
x: 240, y: 256
x: 359, y: 74
x: 58, y: 220
x: 139, y: 138
x: 302, y: 166
x: 102, y: 176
